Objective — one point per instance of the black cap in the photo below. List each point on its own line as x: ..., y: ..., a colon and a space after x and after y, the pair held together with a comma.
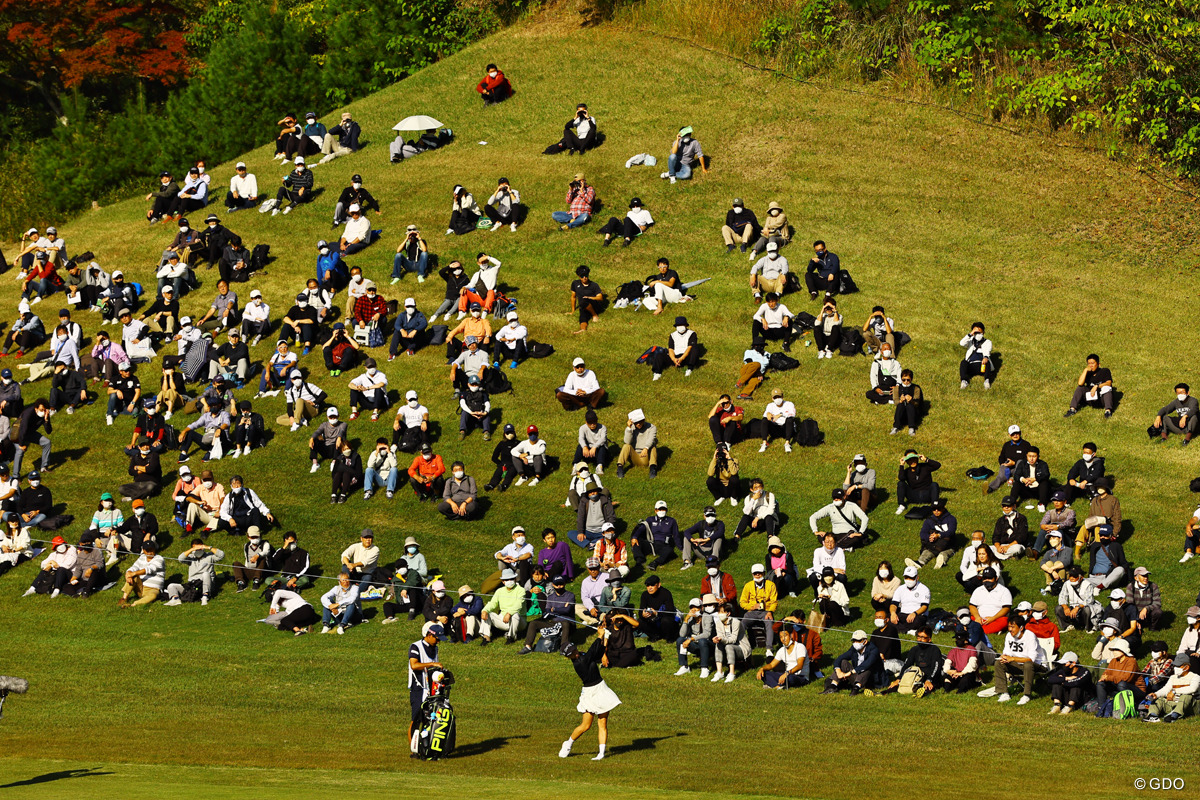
x: 356, y: 178
x: 502, y: 181
x: 653, y: 580
x: 988, y: 573
x: 559, y: 580
x: 426, y: 448
x: 212, y: 218
x: 635, y: 202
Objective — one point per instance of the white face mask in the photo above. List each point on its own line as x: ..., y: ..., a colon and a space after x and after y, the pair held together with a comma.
x: 883, y: 573
x: 439, y: 594
x: 236, y: 489
x: 608, y: 537
x: 208, y: 484
x: 1087, y: 457
x: 737, y: 209
x: 758, y: 580
x: 1114, y: 603
x: 475, y: 314
x: 466, y: 599
x: 978, y: 337
x: 964, y: 621
x: 1191, y: 620
x: 62, y: 337
x: 772, y: 255
x: 519, y: 541
x: 509, y: 584
x: 107, y: 504
x: 724, y: 615
x: 356, y: 185
x: 839, y: 503
x: 324, y: 251
x: 1039, y: 615
x: 183, y: 228
x: 302, y: 303
x: 372, y: 371
x: 860, y: 468
x: 7, y: 381
x: 660, y: 514
x: 1109, y: 632
x: 458, y: 473
x: 859, y: 645
x: 710, y: 519
x: 910, y: 582
x: 137, y: 512
x: 879, y: 623
x: 1178, y: 672
x: 681, y: 328
x: 885, y: 354
x: 713, y: 572
x: 62, y: 548
x: 356, y: 279
x: 35, y: 484
x: 1156, y: 654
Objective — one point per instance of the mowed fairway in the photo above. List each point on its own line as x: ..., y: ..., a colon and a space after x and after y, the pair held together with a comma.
x: 941, y: 221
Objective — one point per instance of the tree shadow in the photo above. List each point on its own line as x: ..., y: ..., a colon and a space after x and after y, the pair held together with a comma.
x: 642, y: 743
x: 484, y: 746
x: 50, y: 777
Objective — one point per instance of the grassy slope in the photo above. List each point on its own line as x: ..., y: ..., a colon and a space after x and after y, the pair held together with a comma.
x: 940, y: 221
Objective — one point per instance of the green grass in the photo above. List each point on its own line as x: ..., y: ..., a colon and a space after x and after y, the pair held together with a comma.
x: 940, y: 221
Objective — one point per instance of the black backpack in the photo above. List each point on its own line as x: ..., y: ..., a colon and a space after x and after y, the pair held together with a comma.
x: 630, y: 291
x: 648, y: 356
x: 809, y: 434
x: 781, y: 362
x: 852, y: 342
x: 539, y: 349
x: 438, y: 334
x: 192, y: 592
x: 258, y: 256
x: 496, y: 382
x: 805, y: 321
x: 846, y: 284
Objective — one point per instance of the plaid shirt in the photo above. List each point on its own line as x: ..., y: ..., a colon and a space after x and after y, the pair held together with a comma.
x: 365, y: 308
x: 581, y: 201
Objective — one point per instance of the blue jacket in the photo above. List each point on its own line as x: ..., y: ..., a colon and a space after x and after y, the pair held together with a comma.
x: 662, y: 531
x: 946, y: 527
x: 866, y: 661
x: 473, y: 608
x: 414, y: 322
x: 975, y: 635
x: 332, y: 263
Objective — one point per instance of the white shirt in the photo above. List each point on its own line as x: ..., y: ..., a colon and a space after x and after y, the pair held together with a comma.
x: 759, y: 507
x: 357, y: 230
x: 256, y: 312
x: 792, y: 658
x: 984, y: 348
x: 822, y: 558
x: 782, y: 411
x: 1025, y: 647
x: 246, y: 187
x: 909, y: 601
x: 640, y: 216
x: 286, y: 601
x: 486, y: 275
x: 531, y: 449
x: 989, y: 603
x: 343, y: 597
x: 513, y: 550
x: 680, y: 342
x: 412, y: 417
x: 62, y: 560
x: 155, y: 571
x: 772, y: 317
x: 587, y: 382
x: 511, y: 334
x: 771, y: 268
x: 365, y: 383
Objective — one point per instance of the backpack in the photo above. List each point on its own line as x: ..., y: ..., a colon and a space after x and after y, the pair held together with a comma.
x: 258, y: 256
x: 410, y: 442
x: 630, y: 291
x: 1154, y: 431
x: 846, y: 284
x: 496, y: 382
x: 1124, y: 706
x: 910, y: 679
x: 438, y: 334
x: 1195, y: 485
x: 809, y: 434
x: 192, y: 592
x: 539, y: 349
x: 648, y: 356
x: 805, y: 321
x: 852, y: 342
x: 781, y: 362
x: 341, y: 352
x: 550, y: 641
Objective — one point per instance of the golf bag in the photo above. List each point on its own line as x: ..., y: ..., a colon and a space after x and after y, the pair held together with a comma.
x: 435, y: 739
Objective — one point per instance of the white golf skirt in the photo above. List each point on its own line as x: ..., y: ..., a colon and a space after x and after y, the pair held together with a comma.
x: 598, y: 699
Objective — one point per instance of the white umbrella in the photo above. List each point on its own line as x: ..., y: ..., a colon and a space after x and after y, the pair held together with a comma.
x: 420, y: 122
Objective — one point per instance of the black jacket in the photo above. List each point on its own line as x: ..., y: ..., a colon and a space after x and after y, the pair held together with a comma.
x: 28, y: 432
x: 1016, y: 533
x: 217, y: 236
x: 257, y: 427
x: 1083, y: 471
x: 739, y: 221
x: 502, y: 452
x: 70, y: 382
x: 145, y: 468
x: 140, y: 529
x: 920, y: 476
x: 1040, y: 471
x: 351, y: 464
x: 36, y: 499
x: 1014, y: 451
x: 928, y: 659
x: 453, y: 282
x: 361, y: 196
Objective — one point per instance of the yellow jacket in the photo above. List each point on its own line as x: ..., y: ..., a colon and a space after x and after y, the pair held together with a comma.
x: 753, y: 595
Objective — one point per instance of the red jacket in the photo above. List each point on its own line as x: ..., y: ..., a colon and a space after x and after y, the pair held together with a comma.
x: 728, y: 593
x: 420, y: 468
x: 498, y: 85
x: 1044, y: 629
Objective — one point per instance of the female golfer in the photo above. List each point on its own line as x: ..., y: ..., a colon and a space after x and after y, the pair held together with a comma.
x: 596, y: 700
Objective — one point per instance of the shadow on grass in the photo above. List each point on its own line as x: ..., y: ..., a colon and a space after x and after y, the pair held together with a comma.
x: 485, y: 746
x: 642, y: 743
x: 50, y: 777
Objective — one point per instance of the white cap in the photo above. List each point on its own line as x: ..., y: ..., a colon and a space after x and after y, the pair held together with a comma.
x: 694, y: 602
x: 1024, y: 605
x: 1120, y: 644
x: 255, y: 293
x: 911, y: 572
x: 23, y: 307
x: 409, y: 302
x: 1117, y: 594
x: 757, y: 568
x: 1013, y: 429
x: 185, y: 321
x: 517, y: 529
x: 299, y: 159
x: 859, y: 636
x: 31, y: 232
x: 608, y: 526
x: 578, y: 362
x: 411, y: 394
x: 1069, y: 657
x: 168, y: 289
x: 511, y: 316
x: 118, y: 274
x: 240, y: 165
x: 331, y: 411
x: 772, y: 246
x: 660, y: 504
x: 637, y: 415
x: 353, y: 207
